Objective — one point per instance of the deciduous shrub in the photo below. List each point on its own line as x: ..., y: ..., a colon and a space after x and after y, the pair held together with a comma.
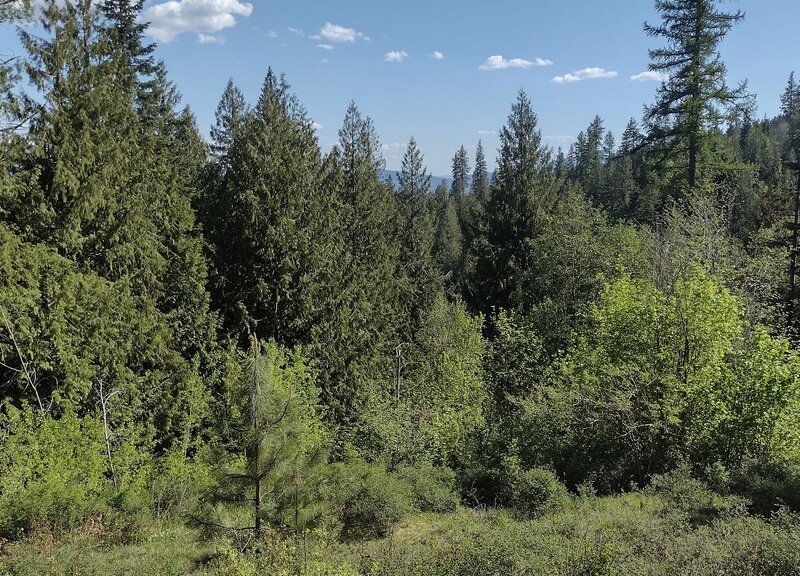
x: 370, y: 501
x: 433, y: 488
x: 536, y: 492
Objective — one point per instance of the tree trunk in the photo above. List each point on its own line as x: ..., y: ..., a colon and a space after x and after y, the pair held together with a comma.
x: 793, y: 250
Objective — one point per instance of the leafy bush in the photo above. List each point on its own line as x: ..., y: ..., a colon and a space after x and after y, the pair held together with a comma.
x: 689, y: 496
x: 370, y: 501
x: 433, y: 488
x: 768, y: 486
x: 51, y: 471
x: 536, y: 492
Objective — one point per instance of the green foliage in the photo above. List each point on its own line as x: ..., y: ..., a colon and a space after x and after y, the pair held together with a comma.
x: 438, y: 394
x: 421, y: 283
x: 270, y: 241
x: 767, y: 485
x: 630, y: 534
x: 689, y: 102
x: 447, y: 247
x: 433, y: 488
x: 657, y: 377
x: 355, y: 344
x: 282, y: 438
x: 612, y: 336
x: 52, y: 472
x: 683, y: 493
x: 536, y: 492
x: 577, y: 252
x: 369, y: 500
x: 522, y: 193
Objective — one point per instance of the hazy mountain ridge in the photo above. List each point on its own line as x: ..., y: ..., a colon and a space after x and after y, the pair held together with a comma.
x: 393, y: 176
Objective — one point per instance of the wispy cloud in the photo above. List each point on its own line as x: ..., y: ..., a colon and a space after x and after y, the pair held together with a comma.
x: 650, y: 76
x: 560, y: 138
x: 296, y: 31
x: 337, y: 34
x: 436, y: 55
x: 210, y: 39
x: 584, y: 74
x: 316, y: 126
x: 272, y: 34
x: 393, y: 146
x: 325, y: 46
x: 487, y: 132
x: 497, y: 62
x: 170, y: 19
x: 395, y: 56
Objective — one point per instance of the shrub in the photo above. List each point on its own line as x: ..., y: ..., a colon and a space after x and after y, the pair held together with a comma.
x: 51, y: 471
x: 768, y: 486
x: 433, y: 488
x: 687, y: 495
x: 537, y: 491
x: 370, y: 501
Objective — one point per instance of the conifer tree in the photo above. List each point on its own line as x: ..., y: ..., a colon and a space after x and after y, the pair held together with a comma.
x: 479, y: 185
x: 417, y: 236
x: 688, y: 103
x: 522, y: 192
x: 790, y: 108
x: 283, y: 439
x: 460, y: 185
x: 271, y: 251
x: 228, y: 121
x: 447, y: 242
x: 356, y: 346
x: 473, y: 214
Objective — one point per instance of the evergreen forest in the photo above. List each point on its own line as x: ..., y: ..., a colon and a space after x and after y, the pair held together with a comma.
x: 240, y: 355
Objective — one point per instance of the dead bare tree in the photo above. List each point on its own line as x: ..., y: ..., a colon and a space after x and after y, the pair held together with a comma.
x: 27, y: 371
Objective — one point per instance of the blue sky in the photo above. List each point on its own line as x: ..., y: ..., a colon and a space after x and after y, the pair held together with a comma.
x: 447, y: 72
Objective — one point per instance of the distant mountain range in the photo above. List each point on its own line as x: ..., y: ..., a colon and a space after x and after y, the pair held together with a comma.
x: 392, y: 174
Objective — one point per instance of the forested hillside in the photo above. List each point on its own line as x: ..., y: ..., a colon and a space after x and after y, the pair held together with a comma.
x: 245, y: 355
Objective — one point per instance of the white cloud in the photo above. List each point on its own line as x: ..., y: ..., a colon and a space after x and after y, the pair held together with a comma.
x: 296, y: 31
x: 436, y: 55
x: 395, y: 56
x: 316, y: 126
x: 560, y: 138
x: 650, y: 76
x: 584, y: 74
x: 325, y: 46
x: 323, y: 61
x: 272, y: 34
x: 487, y: 132
x: 174, y: 17
x: 336, y: 34
x: 497, y: 62
x: 393, y: 146
x: 210, y: 39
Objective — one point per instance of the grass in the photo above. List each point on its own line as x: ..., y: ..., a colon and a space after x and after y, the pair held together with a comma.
x: 641, y: 533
